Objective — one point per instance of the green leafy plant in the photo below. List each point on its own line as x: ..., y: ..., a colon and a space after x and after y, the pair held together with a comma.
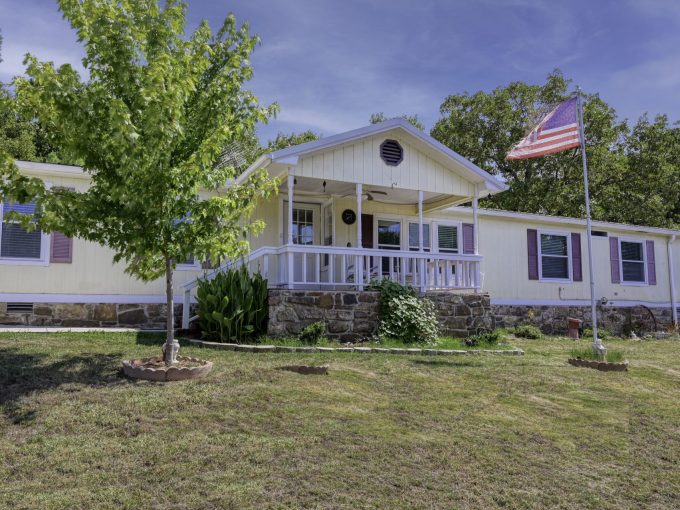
x: 589, y: 353
x: 601, y: 333
x: 313, y: 333
x: 409, y: 319
x: 233, y: 306
x: 488, y: 338
x: 389, y: 289
x: 527, y: 331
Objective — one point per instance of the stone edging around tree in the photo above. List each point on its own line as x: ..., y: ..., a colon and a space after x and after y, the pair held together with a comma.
x: 366, y: 350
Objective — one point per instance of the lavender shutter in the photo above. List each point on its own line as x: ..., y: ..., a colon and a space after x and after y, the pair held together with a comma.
x: 614, y: 258
x: 576, y: 265
x: 651, y: 263
x: 532, y: 252
x: 61, y: 246
x: 468, y: 238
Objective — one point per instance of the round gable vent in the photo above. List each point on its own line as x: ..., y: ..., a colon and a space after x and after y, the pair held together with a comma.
x: 391, y: 152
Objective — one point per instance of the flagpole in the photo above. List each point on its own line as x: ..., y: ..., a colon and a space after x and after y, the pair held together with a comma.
x: 597, y: 343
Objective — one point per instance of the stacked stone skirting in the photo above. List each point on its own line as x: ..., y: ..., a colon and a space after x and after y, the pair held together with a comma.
x: 352, y: 316
x: 142, y: 316
x: 552, y: 320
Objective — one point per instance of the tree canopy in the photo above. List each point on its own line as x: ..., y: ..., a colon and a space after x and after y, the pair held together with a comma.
x: 631, y: 170
x: 375, y: 118
x: 151, y: 126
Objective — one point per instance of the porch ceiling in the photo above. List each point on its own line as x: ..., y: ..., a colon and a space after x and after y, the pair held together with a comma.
x: 312, y: 187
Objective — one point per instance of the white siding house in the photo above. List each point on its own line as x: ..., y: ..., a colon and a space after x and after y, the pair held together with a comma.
x: 384, y: 201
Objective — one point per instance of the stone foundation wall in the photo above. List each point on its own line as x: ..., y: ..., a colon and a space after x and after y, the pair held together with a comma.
x: 352, y: 316
x: 143, y: 316
x: 553, y: 319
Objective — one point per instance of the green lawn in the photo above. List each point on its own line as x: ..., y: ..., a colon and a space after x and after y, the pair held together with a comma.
x: 381, y: 431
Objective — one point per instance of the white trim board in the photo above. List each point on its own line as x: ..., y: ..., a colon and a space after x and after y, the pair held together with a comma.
x: 576, y: 302
x: 533, y: 217
x: 88, y: 298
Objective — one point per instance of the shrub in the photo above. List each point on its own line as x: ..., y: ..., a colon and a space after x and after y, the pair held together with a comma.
x: 527, y: 331
x: 409, y: 319
x: 313, y: 334
x: 489, y: 338
x: 233, y: 305
x: 601, y: 333
x: 389, y: 289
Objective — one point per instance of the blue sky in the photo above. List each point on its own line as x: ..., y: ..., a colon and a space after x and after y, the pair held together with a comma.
x: 330, y: 64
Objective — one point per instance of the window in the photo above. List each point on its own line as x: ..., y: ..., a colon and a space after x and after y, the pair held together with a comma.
x: 554, y: 256
x: 413, y: 237
x: 15, y: 241
x: 389, y: 234
x: 303, y: 226
x: 632, y: 262
x: 447, y: 238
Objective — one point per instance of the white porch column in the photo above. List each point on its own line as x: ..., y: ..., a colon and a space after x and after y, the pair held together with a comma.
x: 475, y: 221
x: 290, y: 258
x: 420, y: 222
x: 360, y: 192
x: 421, y: 244
x: 359, y: 260
x: 291, y: 185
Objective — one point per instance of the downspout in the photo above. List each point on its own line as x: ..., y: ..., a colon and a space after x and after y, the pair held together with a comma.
x: 671, y: 275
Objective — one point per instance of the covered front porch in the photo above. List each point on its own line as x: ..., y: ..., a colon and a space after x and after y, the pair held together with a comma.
x: 336, y: 234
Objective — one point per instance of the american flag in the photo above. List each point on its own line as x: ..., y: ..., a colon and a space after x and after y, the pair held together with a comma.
x: 558, y: 131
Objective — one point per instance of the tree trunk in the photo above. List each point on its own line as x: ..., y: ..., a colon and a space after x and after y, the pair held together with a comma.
x: 171, y: 347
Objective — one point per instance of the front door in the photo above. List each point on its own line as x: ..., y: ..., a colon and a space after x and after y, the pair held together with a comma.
x: 366, y: 231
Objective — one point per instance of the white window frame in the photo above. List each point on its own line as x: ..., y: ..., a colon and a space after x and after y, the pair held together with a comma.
x: 196, y: 266
x: 426, y: 247
x: 44, y: 259
x: 434, y: 236
x: 643, y: 243
x: 570, y: 269
x: 392, y: 219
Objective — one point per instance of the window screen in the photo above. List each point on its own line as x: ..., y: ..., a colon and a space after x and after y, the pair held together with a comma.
x: 447, y: 238
x: 554, y: 256
x: 15, y: 241
x: 632, y: 261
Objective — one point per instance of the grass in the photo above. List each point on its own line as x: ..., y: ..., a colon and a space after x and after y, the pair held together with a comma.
x: 443, y: 342
x: 589, y: 353
x: 380, y: 431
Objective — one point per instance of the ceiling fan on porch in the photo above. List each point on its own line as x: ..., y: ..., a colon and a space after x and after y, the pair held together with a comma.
x: 368, y: 194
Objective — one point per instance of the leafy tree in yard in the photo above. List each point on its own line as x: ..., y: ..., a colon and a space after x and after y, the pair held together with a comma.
x: 484, y: 126
x: 633, y: 172
x: 381, y: 117
x: 150, y: 126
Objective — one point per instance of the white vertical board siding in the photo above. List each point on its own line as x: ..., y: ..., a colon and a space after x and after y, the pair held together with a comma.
x: 360, y: 162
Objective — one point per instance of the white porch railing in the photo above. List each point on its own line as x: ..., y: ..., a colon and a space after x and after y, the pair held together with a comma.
x: 316, y: 267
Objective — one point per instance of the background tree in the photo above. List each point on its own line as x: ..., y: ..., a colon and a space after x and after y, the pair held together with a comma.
x: 150, y: 126
x: 381, y: 117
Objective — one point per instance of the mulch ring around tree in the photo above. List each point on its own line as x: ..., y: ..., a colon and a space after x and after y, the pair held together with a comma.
x: 155, y: 369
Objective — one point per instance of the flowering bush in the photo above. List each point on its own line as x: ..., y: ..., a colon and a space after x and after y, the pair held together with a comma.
x: 410, y: 319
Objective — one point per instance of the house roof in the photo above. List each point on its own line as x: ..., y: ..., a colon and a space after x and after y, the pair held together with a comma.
x: 290, y: 155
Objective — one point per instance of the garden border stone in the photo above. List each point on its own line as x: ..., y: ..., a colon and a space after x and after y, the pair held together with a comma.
x: 515, y: 351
